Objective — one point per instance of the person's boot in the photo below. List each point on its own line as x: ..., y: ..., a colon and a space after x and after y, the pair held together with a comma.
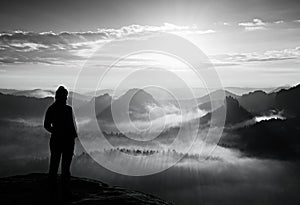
x: 65, y: 185
x: 52, y: 187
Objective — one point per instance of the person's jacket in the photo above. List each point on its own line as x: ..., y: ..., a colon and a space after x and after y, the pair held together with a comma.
x: 59, y: 121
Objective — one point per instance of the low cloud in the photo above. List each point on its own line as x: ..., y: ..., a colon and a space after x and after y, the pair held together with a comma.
x: 255, y: 24
x: 159, y: 118
x: 271, y: 55
x: 259, y: 24
x: 279, y: 22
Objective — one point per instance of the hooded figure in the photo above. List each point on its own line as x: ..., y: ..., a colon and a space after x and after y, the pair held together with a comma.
x: 59, y: 121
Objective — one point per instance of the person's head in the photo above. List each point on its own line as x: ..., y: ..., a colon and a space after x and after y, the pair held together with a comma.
x: 61, y: 94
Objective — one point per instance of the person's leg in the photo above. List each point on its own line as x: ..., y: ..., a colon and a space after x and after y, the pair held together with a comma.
x: 65, y: 165
x: 53, y: 168
x: 54, y: 159
x: 67, y: 156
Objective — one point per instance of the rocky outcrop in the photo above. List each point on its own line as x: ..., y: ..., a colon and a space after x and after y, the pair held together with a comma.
x: 33, y: 189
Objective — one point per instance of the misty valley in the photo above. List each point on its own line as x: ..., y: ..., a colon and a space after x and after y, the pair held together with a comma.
x: 259, y: 146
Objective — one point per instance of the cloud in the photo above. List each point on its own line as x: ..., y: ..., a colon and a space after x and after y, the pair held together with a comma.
x: 254, y: 28
x: 166, y: 27
x: 272, y: 55
x: 26, y: 47
x: 279, y: 22
x: 256, y: 24
x: 223, y: 64
x: 259, y: 24
x: 20, y: 60
x: 74, y: 47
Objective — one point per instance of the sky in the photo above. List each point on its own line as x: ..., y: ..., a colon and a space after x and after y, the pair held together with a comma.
x: 251, y: 43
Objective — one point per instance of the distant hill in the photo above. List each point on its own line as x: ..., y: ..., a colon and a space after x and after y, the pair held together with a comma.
x: 99, y: 92
x: 216, y: 95
x: 235, y: 113
x: 208, y: 106
x: 23, y: 107
x: 78, y: 96
x: 7, y: 91
x: 138, y: 101
x: 255, y: 103
x: 41, y: 93
x: 216, y: 98
x: 284, y: 87
x: 32, y: 189
x: 288, y: 100
x: 18, y: 106
x: 277, y: 139
x: 97, y: 104
x: 245, y: 90
x: 258, y: 102
x: 38, y: 93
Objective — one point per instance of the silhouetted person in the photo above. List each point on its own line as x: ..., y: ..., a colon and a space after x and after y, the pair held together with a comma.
x: 59, y: 121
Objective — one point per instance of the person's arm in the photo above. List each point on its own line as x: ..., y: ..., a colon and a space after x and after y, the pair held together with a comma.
x: 48, y: 121
x: 74, y: 124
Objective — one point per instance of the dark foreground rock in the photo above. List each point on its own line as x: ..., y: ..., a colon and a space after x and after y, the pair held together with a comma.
x: 33, y: 189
